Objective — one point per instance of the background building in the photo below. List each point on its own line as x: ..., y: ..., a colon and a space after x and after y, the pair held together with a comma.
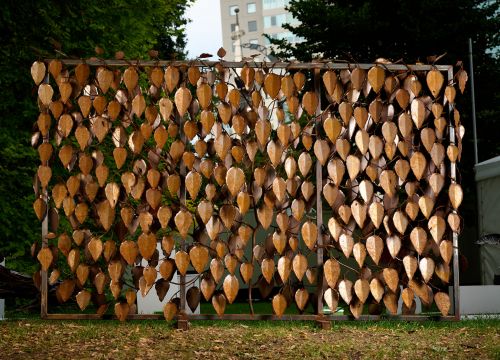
x: 256, y: 18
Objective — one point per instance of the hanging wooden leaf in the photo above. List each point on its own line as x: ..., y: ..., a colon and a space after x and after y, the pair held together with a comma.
x: 265, y: 216
x: 388, y: 179
x: 95, y: 248
x: 345, y: 213
x: 309, y: 233
x: 246, y: 272
x: 305, y: 163
x: 359, y: 252
x: 330, y: 192
x: 267, y: 268
x: 418, y: 238
x: 129, y: 251
x: 222, y: 145
x: 231, y: 287
x: 279, y: 304
x: 310, y: 102
x: 335, y: 228
x: 426, y: 266
x: 331, y: 269
x: 193, y: 183
x: 375, y: 146
x: 345, y: 111
x: 172, y: 76
x: 435, y: 80
x: 207, y: 287
x: 235, y: 179
x: 228, y: 214
x: 331, y: 298
x: 105, y: 78
x: 376, y: 78
x: 391, y: 278
x: 418, y: 164
x: 106, y: 214
x: 362, y: 289
x: 166, y: 107
x: 272, y: 85
x: 391, y: 303
x: 353, y: 164
x: 183, y: 221
x: 170, y: 310
x: 400, y: 221
x: 38, y: 72
x: 83, y: 299
x: 376, y: 289
x: 301, y: 298
x: 345, y: 290
x: 418, y: 112
x: 443, y: 272
x: 443, y: 302
x: 437, y: 227
x: 182, y: 100
x: 346, y: 243
x: 410, y: 264
x: 284, y: 268
x: 446, y: 250
x: 130, y: 78
x: 279, y: 241
x: 205, y: 210
x: 219, y: 303
x: 147, y: 245
x: 456, y: 195
x: 330, y: 81
x: 332, y: 128
x: 182, y: 261
x: 462, y: 79
x: 393, y: 245
x: 322, y: 151
x: 45, y: 258
x: 358, y: 76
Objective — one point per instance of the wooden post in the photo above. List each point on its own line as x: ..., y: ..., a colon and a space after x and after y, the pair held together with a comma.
x: 182, y: 320
x: 453, y: 176
x: 44, y: 289
x: 319, y: 203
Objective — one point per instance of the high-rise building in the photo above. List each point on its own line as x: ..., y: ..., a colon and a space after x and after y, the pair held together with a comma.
x: 256, y: 18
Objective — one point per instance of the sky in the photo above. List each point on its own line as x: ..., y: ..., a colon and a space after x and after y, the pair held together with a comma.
x: 204, y: 32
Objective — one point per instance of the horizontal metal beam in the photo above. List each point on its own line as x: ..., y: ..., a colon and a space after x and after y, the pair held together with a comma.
x: 253, y: 64
x: 248, y: 317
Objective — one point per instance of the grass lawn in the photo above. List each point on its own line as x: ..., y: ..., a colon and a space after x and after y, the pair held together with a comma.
x: 106, y: 339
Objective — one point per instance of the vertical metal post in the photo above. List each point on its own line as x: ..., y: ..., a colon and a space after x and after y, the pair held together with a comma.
x: 182, y: 279
x: 453, y: 176
x: 473, y: 99
x: 319, y: 203
x: 45, y: 230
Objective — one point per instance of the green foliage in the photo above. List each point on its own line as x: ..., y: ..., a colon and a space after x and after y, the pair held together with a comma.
x: 34, y: 29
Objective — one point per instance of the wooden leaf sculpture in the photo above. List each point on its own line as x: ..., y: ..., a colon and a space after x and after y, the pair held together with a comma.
x: 331, y: 270
x: 231, y: 287
x: 279, y: 304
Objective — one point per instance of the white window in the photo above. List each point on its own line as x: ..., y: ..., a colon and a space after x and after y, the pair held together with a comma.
x: 274, y: 4
x: 252, y: 26
x: 254, y: 41
x: 251, y: 8
x: 232, y: 9
x: 275, y: 20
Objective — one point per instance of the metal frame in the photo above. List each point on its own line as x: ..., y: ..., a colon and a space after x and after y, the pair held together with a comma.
x: 320, y: 318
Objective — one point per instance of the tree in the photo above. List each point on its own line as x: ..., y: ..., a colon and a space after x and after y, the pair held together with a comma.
x: 35, y: 29
x: 364, y: 30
